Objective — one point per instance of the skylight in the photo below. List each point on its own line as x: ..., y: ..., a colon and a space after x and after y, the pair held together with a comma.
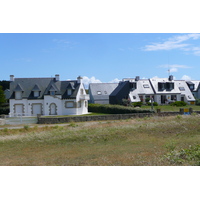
x: 146, y: 86
x: 181, y: 88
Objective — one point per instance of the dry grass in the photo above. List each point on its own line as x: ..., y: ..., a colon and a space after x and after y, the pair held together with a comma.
x: 134, y: 142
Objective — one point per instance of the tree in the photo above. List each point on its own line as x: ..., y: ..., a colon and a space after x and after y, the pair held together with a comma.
x: 5, y: 84
x: 2, y: 96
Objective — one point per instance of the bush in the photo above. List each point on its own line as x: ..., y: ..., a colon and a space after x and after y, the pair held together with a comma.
x: 137, y: 104
x: 198, y: 102
x: 113, y: 109
x: 178, y: 103
x: 154, y: 104
x: 190, y: 156
x: 4, y: 110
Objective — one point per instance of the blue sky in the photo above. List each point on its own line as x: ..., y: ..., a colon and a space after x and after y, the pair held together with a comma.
x: 100, y: 57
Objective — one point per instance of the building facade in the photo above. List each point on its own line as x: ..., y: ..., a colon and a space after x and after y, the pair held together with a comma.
x: 47, y: 96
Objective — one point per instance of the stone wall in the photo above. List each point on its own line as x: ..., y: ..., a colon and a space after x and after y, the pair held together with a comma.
x: 56, y: 120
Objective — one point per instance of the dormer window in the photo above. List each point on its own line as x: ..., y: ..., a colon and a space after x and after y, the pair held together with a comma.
x: 18, y: 95
x: 52, y: 93
x: 161, y: 86
x: 169, y: 86
x: 36, y: 93
x: 69, y: 92
x: 133, y: 85
x: 18, y: 92
x: 191, y: 87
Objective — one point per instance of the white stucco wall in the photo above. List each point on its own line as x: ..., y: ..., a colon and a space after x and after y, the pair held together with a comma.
x: 60, y: 104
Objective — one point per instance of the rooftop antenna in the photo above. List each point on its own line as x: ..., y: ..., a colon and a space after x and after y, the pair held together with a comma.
x: 168, y: 66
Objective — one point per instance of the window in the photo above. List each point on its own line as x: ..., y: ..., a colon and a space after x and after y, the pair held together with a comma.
x: 134, y: 97
x: 173, y: 97
x: 36, y: 94
x: 191, y: 87
x: 52, y: 93
x: 146, y: 86
x: 69, y: 92
x: 18, y: 95
x: 169, y: 86
x: 133, y: 85
x: 161, y: 86
x: 181, y: 88
x: 99, y: 92
x: 69, y: 104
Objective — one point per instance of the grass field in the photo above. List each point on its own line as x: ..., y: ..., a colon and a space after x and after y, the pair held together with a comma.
x: 135, y: 142
x: 168, y: 108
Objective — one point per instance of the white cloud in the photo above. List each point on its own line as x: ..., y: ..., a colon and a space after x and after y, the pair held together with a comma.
x: 116, y: 80
x: 87, y: 81
x: 175, y: 67
x: 176, y: 42
x: 186, y: 77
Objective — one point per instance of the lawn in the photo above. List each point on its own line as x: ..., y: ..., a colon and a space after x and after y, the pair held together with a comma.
x: 135, y: 142
x: 168, y: 108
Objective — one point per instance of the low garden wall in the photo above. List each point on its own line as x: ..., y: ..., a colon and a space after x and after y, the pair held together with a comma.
x: 57, y: 120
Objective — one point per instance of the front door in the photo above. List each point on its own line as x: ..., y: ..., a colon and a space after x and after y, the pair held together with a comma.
x: 163, y: 99
x: 53, y: 109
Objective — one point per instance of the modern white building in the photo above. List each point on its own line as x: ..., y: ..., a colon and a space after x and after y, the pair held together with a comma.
x: 47, y: 96
x: 162, y: 90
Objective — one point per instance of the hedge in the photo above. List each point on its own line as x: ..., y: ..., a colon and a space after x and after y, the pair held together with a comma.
x: 4, y: 110
x: 114, y: 109
x: 178, y: 103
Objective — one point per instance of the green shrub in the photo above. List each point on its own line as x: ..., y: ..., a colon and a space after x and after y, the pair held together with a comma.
x: 198, y: 102
x: 178, y: 103
x: 190, y: 155
x: 154, y: 104
x: 126, y: 102
x: 137, y: 104
x: 114, y: 109
x: 4, y: 110
x: 147, y: 100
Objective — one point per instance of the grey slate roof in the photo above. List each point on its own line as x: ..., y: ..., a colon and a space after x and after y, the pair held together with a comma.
x: 44, y: 85
x: 101, y: 91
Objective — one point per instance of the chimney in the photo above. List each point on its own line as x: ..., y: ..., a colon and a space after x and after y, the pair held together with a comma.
x: 137, y: 78
x: 12, y: 78
x: 80, y: 79
x: 171, y: 78
x: 57, y: 77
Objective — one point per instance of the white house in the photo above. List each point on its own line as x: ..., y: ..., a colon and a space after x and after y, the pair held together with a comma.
x: 141, y: 91
x: 168, y: 90
x: 47, y: 96
x: 162, y: 90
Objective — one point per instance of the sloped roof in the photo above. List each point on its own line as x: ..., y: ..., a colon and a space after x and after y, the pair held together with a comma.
x: 18, y: 88
x: 44, y: 85
x: 188, y: 94
x: 154, y: 83
x: 196, y: 85
x: 36, y: 88
x: 101, y: 91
